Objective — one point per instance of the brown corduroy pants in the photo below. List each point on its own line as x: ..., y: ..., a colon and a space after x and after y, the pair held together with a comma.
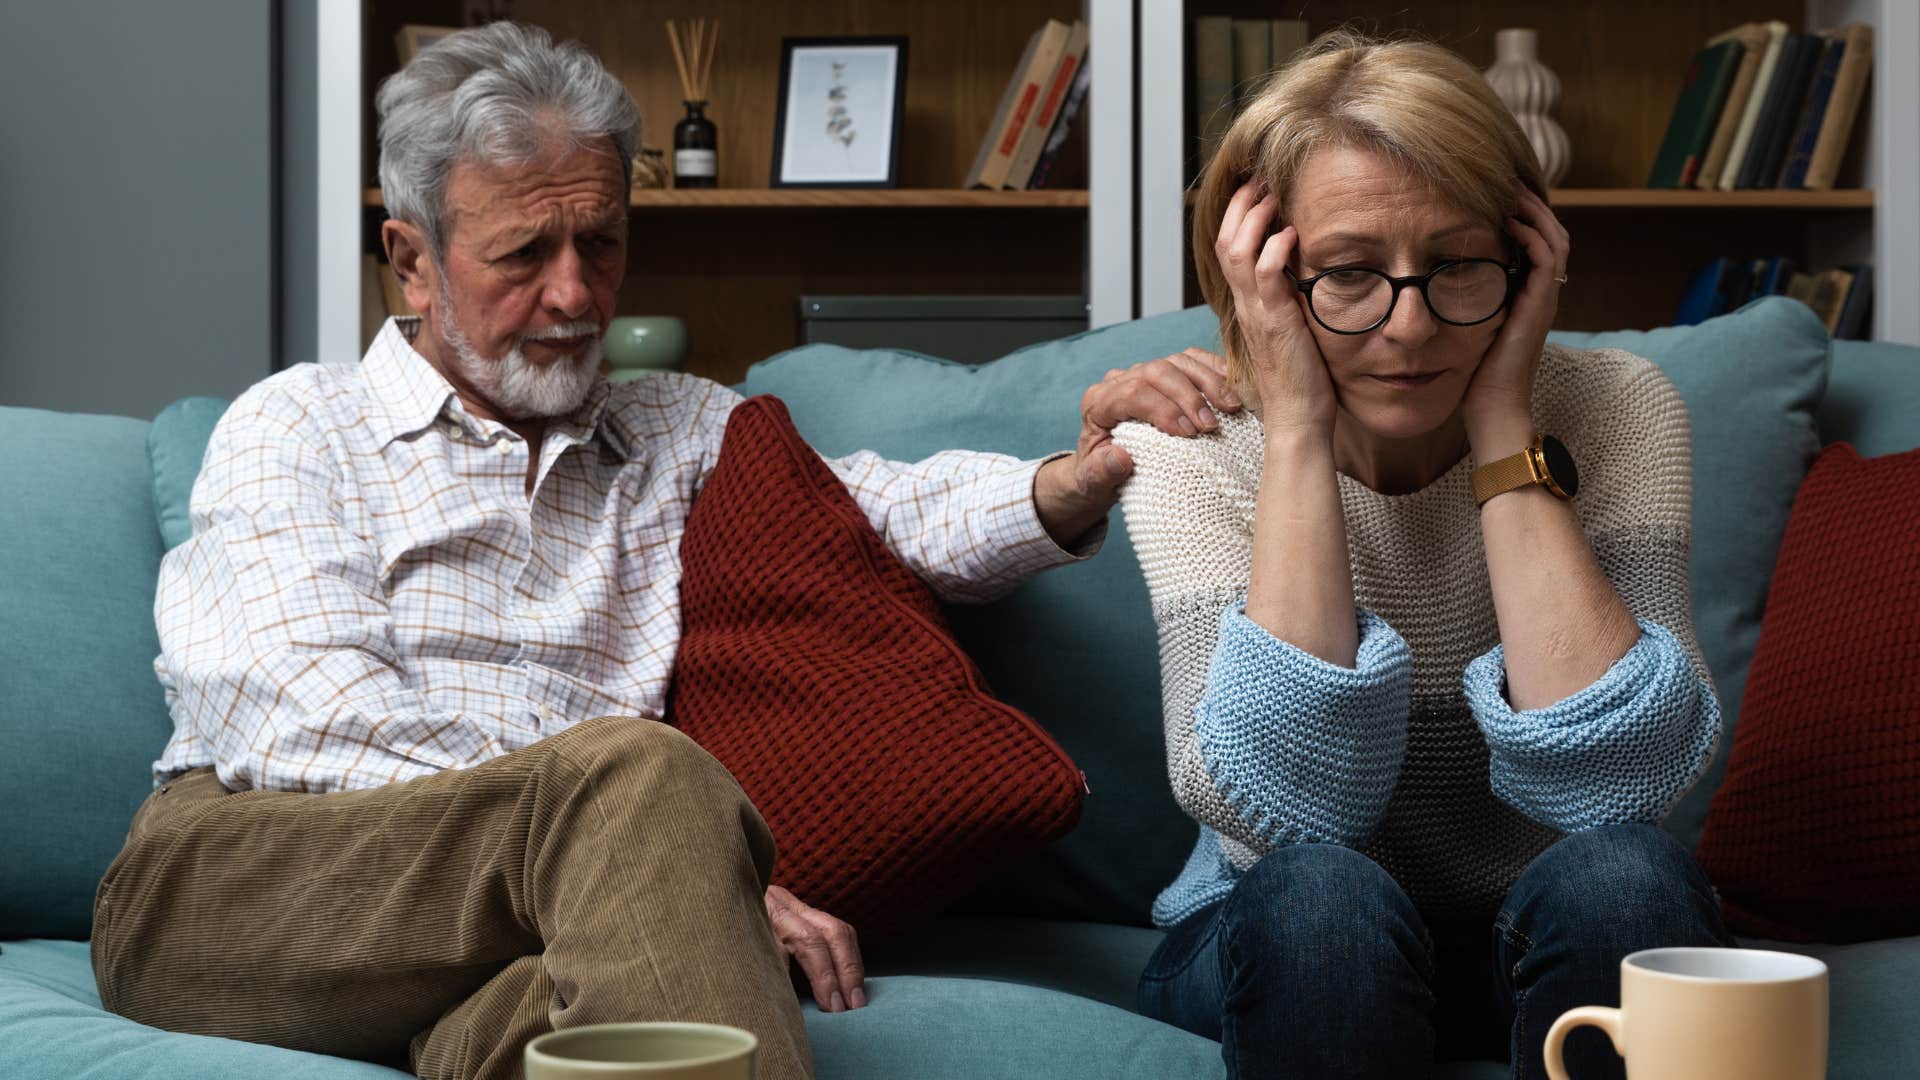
x: 614, y: 871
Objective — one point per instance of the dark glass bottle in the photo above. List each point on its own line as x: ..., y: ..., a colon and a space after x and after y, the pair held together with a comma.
x: 696, y: 145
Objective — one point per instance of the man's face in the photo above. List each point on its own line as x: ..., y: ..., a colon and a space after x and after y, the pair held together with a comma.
x: 534, y: 257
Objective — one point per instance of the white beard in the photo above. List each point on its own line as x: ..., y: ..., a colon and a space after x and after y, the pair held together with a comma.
x: 519, y: 388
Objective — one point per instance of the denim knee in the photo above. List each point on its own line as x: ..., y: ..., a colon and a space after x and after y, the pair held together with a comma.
x: 1324, y: 901
x: 1631, y: 882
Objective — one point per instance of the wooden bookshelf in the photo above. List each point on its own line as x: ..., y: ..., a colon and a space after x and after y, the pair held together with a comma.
x: 799, y: 198
x: 1621, y: 66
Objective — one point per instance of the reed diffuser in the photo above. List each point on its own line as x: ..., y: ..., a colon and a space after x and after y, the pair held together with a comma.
x: 696, y: 143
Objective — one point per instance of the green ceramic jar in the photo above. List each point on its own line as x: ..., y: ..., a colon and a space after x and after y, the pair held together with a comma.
x: 638, y: 344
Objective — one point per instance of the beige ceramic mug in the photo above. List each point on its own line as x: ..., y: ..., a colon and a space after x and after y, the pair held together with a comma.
x: 643, y: 1051
x: 1711, y: 1014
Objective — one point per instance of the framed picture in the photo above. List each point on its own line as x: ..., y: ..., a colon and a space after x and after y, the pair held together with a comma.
x: 838, y: 124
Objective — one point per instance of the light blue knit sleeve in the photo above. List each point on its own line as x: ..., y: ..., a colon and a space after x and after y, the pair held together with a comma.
x: 1623, y: 749
x: 1305, y: 751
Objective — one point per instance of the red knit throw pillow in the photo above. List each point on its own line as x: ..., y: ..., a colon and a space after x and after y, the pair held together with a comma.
x: 1815, y: 834
x: 820, y: 671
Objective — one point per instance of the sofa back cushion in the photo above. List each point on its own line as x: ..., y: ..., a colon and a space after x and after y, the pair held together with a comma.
x: 1753, y: 381
x: 81, y: 715
x: 1873, y: 398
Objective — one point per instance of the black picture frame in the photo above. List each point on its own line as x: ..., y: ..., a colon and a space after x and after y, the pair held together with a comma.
x: 797, y: 165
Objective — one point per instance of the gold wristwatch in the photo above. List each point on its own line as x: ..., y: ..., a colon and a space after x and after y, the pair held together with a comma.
x: 1545, y: 462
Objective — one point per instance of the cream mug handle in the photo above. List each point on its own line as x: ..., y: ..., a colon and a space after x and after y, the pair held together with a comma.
x: 1607, y: 1020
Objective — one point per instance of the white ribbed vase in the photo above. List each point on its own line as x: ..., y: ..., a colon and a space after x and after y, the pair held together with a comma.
x: 1530, y: 91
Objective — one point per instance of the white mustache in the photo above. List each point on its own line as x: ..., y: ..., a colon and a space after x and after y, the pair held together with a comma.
x: 560, y: 333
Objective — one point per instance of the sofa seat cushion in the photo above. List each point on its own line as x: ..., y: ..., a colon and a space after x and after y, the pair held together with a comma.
x: 52, y: 1028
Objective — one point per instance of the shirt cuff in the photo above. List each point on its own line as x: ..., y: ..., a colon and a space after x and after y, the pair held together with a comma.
x: 1028, y: 547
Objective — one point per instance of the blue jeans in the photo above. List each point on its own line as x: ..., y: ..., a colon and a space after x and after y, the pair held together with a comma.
x: 1318, y: 965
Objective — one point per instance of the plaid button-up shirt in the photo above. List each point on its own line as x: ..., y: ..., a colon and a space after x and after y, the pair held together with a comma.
x: 370, y: 595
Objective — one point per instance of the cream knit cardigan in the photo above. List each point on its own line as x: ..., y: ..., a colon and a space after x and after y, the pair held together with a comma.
x: 1415, y: 757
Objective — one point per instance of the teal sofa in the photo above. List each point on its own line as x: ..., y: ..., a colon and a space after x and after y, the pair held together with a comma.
x: 1032, y: 975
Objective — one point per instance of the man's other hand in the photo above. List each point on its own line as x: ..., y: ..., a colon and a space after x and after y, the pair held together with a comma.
x: 1177, y: 394
x: 827, y: 950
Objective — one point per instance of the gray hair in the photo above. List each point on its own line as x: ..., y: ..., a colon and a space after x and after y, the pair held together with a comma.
x: 499, y: 94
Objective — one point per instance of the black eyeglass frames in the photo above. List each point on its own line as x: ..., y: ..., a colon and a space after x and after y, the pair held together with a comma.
x: 1458, y: 292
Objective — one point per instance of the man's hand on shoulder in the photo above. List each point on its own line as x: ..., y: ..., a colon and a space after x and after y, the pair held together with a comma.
x: 1172, y: 393
x: 827, y: 950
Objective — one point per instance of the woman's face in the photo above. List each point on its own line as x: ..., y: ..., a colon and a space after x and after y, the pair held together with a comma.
x: 1357, y: 208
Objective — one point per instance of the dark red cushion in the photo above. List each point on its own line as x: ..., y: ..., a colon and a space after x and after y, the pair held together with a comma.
x: 1815, y: 833
x: 820, y: 671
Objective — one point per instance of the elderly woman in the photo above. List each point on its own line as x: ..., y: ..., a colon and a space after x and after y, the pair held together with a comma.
x: 1427, y: 689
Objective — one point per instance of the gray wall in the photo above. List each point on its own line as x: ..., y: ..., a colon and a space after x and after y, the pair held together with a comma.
x: 136, y: 202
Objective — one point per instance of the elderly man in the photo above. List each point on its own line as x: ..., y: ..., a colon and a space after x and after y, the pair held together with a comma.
x: 415, y: 808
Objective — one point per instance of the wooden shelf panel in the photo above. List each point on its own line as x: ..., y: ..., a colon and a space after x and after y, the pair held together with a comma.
x: 779, y: 198
x: 1675, y: 199
x: 1657, y: 199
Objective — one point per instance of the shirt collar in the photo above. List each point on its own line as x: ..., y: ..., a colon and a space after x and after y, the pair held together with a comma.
x: 406, y: 393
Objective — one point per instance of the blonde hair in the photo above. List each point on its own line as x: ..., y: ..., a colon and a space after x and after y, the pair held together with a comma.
x: 1419, y: 104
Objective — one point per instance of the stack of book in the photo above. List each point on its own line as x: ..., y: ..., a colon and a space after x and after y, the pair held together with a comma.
x: 1841, y: 296
x: 1765, y: 108
x: 1036, y: 112
x: 1231, y: 59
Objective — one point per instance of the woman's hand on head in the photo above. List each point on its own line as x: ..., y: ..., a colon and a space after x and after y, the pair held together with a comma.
x: 1290, y: 376
x: 1502, y: 387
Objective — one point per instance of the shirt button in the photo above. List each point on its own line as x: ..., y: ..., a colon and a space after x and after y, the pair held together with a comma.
x: 504, y: 447
x: 545, y: 713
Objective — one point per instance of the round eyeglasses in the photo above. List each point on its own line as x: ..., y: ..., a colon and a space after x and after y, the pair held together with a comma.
x: 1460, y: 292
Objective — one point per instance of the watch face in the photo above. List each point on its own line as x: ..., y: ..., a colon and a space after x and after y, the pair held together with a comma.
x: 1560, y: 465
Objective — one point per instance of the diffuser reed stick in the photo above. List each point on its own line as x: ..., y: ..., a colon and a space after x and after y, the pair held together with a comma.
x: 693, y: 49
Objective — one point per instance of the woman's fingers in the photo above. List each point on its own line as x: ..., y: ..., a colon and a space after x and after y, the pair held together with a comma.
x: 1268, y: 273
x: 1237, y: 207
x: 1239, y: 253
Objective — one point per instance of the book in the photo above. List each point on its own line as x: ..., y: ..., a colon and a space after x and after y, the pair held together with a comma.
x: 1859, y: 303
x: 1017, y: 103
x: 1790, y: 78
x: 1212, y: 80
x: 1753, y: 44
x: 1063, y: 124
x: 1756, y: 99
x: 1285, y: 37
x: 1053, y: 95
x: 1836, y: 127
x: 373, y: 304
x: 1806, y: 127
x: 1824, y: 292
x: 1735, y: 283
x: 1702, y: 293
x: 1778, y: 272
x: 1252, y: 57
x: 1702, y: 93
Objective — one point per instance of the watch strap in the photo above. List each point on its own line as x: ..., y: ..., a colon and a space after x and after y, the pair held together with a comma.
x: 1498, y: 477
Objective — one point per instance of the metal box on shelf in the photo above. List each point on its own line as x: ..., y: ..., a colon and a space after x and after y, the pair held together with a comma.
x: 971, y: 329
